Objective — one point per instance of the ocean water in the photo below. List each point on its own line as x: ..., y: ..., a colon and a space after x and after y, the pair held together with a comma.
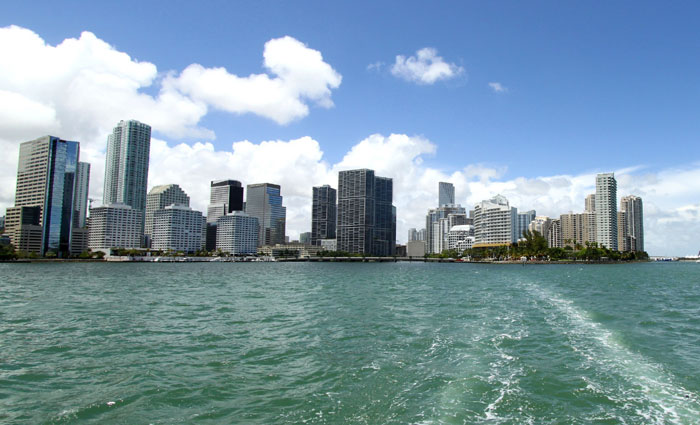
x: 322, y: 343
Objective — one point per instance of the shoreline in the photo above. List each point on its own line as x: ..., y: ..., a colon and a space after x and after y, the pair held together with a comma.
x: 325, y: 260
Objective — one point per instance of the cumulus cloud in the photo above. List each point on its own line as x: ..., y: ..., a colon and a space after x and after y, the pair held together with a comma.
x: 80, y: 88
x: 426, y: 67
x: 301, y: 76
x: 498, y: 87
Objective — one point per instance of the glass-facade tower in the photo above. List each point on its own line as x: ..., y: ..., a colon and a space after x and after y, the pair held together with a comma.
x: 264, y: 201
x: 126, y: 167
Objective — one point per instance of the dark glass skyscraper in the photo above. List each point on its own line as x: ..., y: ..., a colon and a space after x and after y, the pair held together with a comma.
x: 323, y: 214
x: 45, y: 179
x: 365, y: 215
x: 264, y: 201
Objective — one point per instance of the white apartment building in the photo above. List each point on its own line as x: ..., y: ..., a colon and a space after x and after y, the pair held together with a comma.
x: 237, y: 233
x: 115, y: 226
x: 495, y: 222
x: 177, y: 228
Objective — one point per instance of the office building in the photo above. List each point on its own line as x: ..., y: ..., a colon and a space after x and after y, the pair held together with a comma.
x: 115, y: 226
x: 412, y: 234
x: 178, y: 228
x: 524, y: 220
x: 324, y: 213
x: 606, y: 210
x: 305, y: 238
x: 415, y: 249
x: 80, y: 198
x: 366, y: 217
x: 446, y: 194
x: 157, y: 199
x: 225, y: 197
x: 126, y: 165
x: 633, y: 227
x: 237, y: 234
x: 264, y: 202
x: 495, y: 222
x: 46, y: 174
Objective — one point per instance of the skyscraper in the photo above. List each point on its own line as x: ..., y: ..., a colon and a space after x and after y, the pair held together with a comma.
x: 80, y: 200
x: 157, y: 199
x: 434, y: 238
x: 44, y: 199
x: 631, y: 206
x: 384, y: 220
x: 606, y: 210
x: 495, y: 222
x: 524, y: 220
x: 126, y: 167
x: 226, y: 196
x: 323, y: 214
x: 366, y: 222
x: 264, y: 202
x: 446, y: 194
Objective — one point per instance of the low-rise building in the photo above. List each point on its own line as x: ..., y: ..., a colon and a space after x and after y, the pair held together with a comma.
x: 329, y: 244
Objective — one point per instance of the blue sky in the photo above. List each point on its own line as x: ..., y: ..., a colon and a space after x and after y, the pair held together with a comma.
x: 586, y: 86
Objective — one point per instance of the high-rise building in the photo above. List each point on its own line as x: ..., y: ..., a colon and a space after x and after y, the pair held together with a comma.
x: 384, y: 217
x: 115, y: 226
x: 177, y: 227
x: 461, y: 237
x: 158, y: 198
x: 126, y: 166
x: 305, y: 238
x: 226, y: 196
x: 573, y: 229
x: 46, y: 175
x: 541, y: 225
x: 446, y: 194
x: 80, y: 199
x: 590, y: 203
x: 237, y: 233
x: 524, y: 220
x: 495, y: 222
x: 606, y: 210
x: 366, y: 217
x: 554, y: 239
x: 264, y: 202
x: 434, y: 236
x: 633, y: 227
x: 324, y: 213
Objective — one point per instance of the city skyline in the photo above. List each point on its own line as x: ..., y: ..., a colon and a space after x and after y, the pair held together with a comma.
x: 468, y: 121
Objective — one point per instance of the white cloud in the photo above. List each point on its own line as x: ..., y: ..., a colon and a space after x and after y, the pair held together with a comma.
x: 498, y: 87
x: 80, y: 88
x: 376, y: 66
x: 302, y: 76
x: 426, y: 67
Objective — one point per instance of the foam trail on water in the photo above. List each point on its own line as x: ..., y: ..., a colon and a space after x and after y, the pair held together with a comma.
x: 667, y: 402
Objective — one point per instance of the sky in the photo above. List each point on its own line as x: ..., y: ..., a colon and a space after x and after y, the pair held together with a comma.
x: 525, y: 99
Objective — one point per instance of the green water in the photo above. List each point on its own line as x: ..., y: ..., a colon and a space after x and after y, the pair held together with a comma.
x: 323, y: 343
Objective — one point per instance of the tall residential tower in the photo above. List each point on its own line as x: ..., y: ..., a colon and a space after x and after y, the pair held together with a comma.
x: 126, y: 167
x: 606, y: 210
x: 323, y: 214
